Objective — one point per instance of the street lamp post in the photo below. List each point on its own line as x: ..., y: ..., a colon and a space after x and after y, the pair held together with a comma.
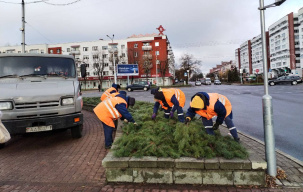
x: 156, y: 68
x: 113, y: 51
x: 187, y: 77
x: 267, y: 99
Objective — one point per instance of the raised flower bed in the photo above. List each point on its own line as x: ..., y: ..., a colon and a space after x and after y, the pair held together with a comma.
x: 165, y: 151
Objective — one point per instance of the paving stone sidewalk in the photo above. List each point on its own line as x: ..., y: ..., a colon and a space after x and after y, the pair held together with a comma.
x: 52, y: 161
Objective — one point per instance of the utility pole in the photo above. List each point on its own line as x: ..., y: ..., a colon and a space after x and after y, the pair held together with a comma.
x: 113, y: 52
x: 23, y: 27
x: 267, y: 99
x: 156, y: 67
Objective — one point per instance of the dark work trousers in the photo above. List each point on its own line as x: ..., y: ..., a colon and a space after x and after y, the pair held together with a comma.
x: 208, y: 124
x: 108, y: 134
x: 179, y: 112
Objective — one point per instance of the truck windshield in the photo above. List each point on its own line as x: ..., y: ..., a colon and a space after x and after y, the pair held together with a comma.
x: 26, y: 66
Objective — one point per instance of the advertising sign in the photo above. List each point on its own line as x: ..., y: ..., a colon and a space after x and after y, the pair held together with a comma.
x: 127, y: 70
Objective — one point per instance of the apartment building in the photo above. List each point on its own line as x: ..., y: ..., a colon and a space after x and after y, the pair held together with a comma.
x: 300, y: 28
x: 92, y: 53
x: 245, y: 57
x: 237, y: 58
x: 257, y: 54
x: 285, y: 46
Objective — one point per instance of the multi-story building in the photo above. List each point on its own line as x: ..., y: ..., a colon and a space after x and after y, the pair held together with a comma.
x: 285, y: 46
x: 245, y: 57
x: 300, y: 19
x: 150, y: 48
x: 257, y: 54
x: 237, y: 58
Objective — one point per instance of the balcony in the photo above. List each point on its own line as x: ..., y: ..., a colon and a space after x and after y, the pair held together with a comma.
x: 147, y: 56
x: 146, y: 47
x: 77, y: 52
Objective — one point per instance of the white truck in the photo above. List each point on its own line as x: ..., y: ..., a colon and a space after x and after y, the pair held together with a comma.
x: 40, y: 92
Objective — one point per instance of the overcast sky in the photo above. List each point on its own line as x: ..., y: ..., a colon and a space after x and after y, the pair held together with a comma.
x: 210, y: 30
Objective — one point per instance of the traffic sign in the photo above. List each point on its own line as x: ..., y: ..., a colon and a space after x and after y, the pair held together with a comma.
x: 257, y: 70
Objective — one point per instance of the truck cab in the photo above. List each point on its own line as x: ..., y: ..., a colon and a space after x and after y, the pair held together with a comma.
x: 40, y: 92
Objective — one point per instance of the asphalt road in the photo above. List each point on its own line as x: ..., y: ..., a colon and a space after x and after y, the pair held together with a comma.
x: 247, y: 111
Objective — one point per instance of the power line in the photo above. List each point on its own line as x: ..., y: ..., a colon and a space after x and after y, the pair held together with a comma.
x: 8, y: 2
x: 57, y: 4
x: 39, y: 32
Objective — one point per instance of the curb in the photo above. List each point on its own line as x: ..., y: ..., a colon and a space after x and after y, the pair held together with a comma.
x: 277, y: 150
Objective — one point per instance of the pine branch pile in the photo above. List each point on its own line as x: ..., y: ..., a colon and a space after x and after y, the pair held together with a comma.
x: 170, y: 138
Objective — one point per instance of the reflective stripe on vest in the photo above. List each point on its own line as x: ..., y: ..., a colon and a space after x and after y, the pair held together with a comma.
x: 107, y: 93
x: 113, y: 111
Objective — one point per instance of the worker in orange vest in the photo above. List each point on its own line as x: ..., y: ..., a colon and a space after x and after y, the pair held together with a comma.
x: 209, y: 105
x: 170, y: 100
x: 113, y: 109
x: 114, y: 89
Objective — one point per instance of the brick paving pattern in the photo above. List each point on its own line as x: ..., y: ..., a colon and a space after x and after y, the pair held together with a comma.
x: 53, y: 161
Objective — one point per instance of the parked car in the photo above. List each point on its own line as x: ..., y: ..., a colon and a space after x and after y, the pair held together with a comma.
x: 291, y: 79
x: 198, y: 83
x: 206, y: 81
x: 143, y: 85
x: 217, y: 82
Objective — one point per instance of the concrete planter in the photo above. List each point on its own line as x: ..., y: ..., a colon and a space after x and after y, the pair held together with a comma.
x: 216, y: 171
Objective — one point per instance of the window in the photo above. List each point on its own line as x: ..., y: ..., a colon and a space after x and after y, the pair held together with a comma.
x: 145, y: 44
x: 136, y: 54
x: 42, y: 51
x: 58, y: 50
x: 122, y: 46
x: 85, y: 48
x: 104, y: 47
x: 105, y: 64
x: 105, y: 72
x: 136, y: 45
x: 95, y: 56
x: 157, y: 53
x: 95, y: 48
x: 86, y: 65
x: 96, y: 65
x: 68, y: 50
x: 85, y: 57
x: 51, y: 51
x: 156, y: 44
x: 123, y: 54
x: 104, y: 56
x: 87, y: 73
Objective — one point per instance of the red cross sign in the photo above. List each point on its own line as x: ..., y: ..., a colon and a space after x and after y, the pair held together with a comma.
x: 161, y: 30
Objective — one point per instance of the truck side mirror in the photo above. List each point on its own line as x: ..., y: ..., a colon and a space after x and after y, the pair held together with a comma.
x: 83, y: 70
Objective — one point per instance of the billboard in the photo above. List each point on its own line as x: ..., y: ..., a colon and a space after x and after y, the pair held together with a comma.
x: 127, y: 70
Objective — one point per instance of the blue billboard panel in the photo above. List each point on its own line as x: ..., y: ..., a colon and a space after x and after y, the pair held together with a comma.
x: 127, y: 70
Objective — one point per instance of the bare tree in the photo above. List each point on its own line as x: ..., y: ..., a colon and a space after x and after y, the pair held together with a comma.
x: 189, y: 63
x: 163, y: 68
x: 99, y: 66
x: 145, y: 62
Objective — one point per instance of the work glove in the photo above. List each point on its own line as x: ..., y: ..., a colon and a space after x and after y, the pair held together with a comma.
x: 187, y: 120
x: 135, y: 124
x: 154, y: 116
x: 171, y: 114
x: 125, y: 120
x: 216, y: 126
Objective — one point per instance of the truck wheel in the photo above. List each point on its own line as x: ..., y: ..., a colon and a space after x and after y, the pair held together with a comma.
x: 77, y: 131
x: 2, y: 145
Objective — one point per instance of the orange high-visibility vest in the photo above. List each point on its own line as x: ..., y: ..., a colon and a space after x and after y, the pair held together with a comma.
x: 169, y: 93
x: 107, y: 112
x: 107, y: 93
x: 209, y: 112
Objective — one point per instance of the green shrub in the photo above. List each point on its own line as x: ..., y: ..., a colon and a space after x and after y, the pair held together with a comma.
x: 170, y: 138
